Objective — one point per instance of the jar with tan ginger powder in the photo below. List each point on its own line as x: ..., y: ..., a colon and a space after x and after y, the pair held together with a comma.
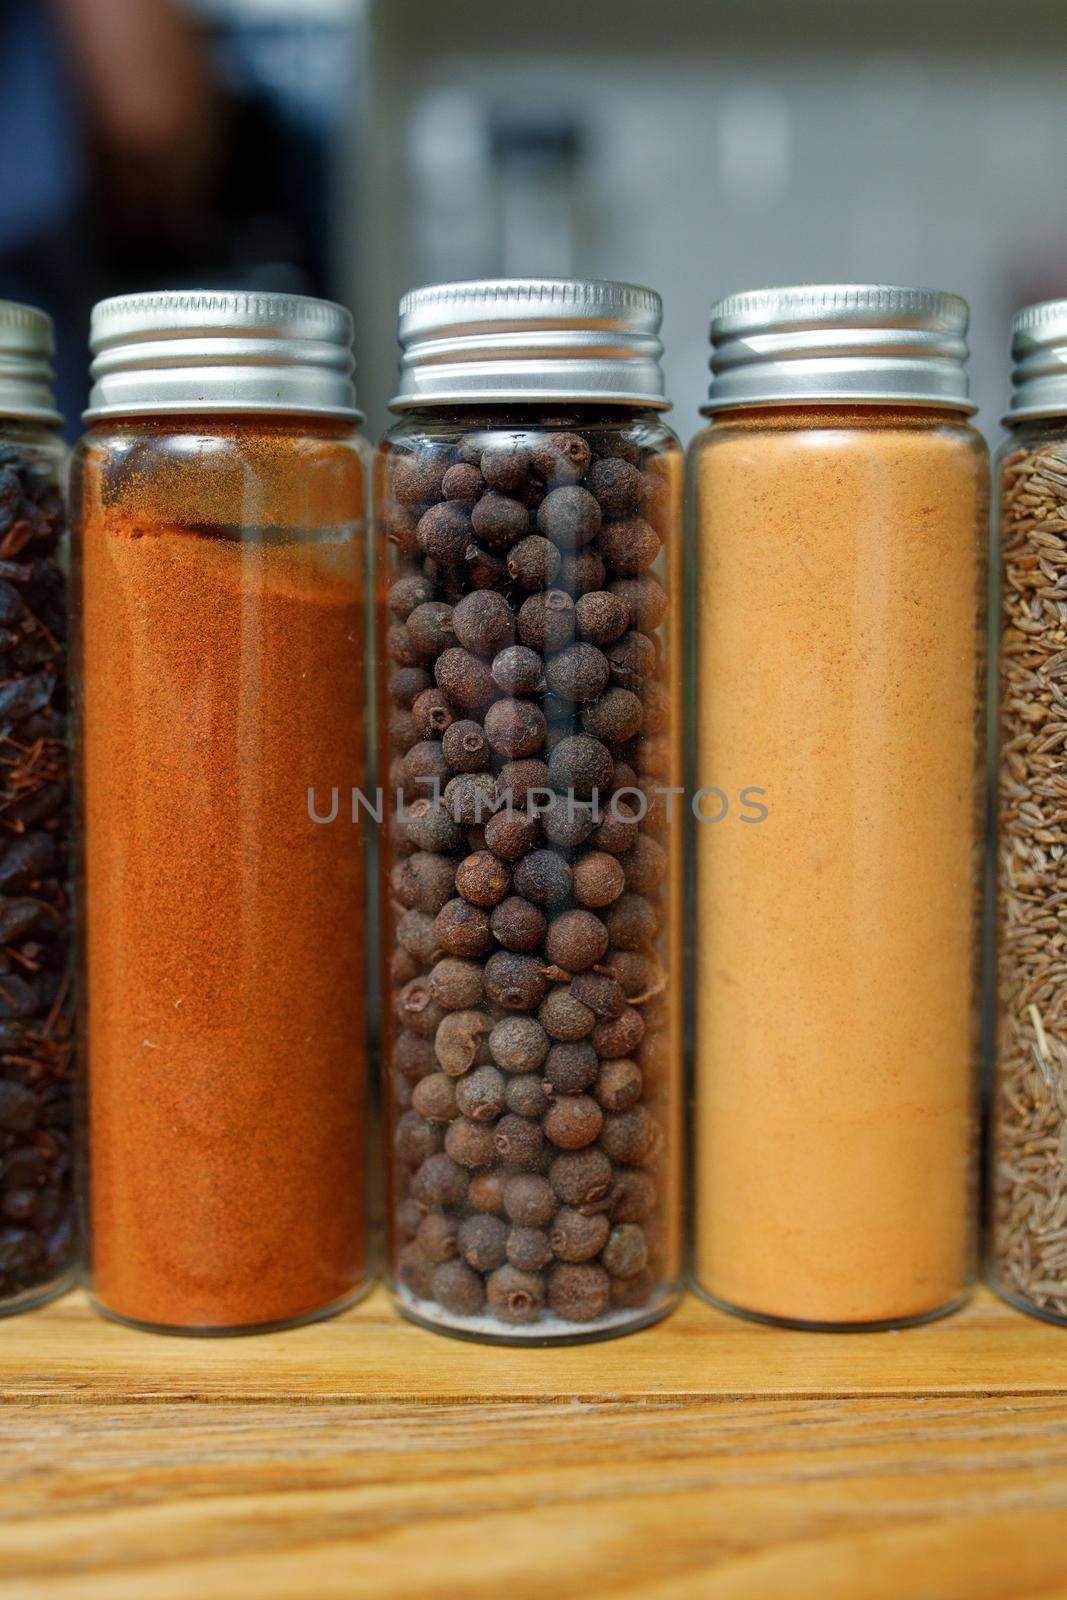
x: 841, y: 527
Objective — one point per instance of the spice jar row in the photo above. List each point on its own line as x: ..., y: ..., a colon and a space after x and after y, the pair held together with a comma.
x: 541, y: 813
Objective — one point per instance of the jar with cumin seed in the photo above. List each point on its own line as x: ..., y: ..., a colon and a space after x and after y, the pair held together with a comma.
x: 220, y: 583
x: 529, y: 619
x: 1028, y: 1225
x: 38, y: 1236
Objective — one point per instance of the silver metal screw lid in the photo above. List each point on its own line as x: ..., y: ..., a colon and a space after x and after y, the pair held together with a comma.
x: 854, y: 344
x: 1039, y: 361
x: 26, y: 376
x: 499, y: 340
x: 213, y: 350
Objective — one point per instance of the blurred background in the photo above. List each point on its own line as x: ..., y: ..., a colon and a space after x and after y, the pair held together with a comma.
x: 356, y: 147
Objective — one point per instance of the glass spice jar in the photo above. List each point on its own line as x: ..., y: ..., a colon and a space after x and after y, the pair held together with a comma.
x: 840, y: 499
x: 1028, y: 1145
x: 38, y: 1236
x: 528, y: 654
x: 221, y: 591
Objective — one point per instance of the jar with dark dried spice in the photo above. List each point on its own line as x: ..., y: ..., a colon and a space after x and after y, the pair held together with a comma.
x: 38, y: 1236
x: 528, y: 584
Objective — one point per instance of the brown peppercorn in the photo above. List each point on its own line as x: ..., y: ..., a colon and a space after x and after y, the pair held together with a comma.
x: 439, y: 1183
x: 529, y: 1200
x: 517, y: 779
x: 601, y: 992
x: 575, y: 1236
x: 514, y: 1296
x: 470, y: 1144
x: 435, y: 1097
x: 518, y: 670
x: 633, y: 1196
x: 518, y: 1141
x: 425, y: 766
x: 567, y: 821
x: 626, y: 1252
x: 582, y: 571
x: 465, y: 747
x: 458, y: 1288
x: 406, y: 684
x: 506, y: 467
x: 565, y: 1018
x: 580, y: 672
x: 483, y: 879
x: 571, y: 1068
x: 619, y: 1084
x: 632, y: 661
x: 580, y: 765
x: 528, y: 1249
x: 416, y: 1008
x: 534, y: 562
x: 514, y: 981
x: 560, y: 457
x: 466, y: 680
x: 519, y: 1044
x: 525, y: 1095
x: 500, y: 520
x: 615, y: 717
x: 437, y: 1237
x: 483, y: 1242
x: 578, y: 1293
x: 543, y: 877
x: 444, y: 532
x: 480, y: 1095
x: 470, y: 797
x: 616, y: 484
x: 414, y: 1272
x: 432, y: 714
x: 510, y: 834
x: 546, y: 621
x: 602, y: 618
x: 463, y: 929
x: 417, y: 477
x: 627, y: 1135
x: 462, y: 482
x: 486, y: 1193
x: 408, y: 592
x: 631, y: 922
x: 581, y: 1177
x: 629, y: 547
x: 429, y: 628
x: 457, y: 985
x: 416, y: 1140
x: 571, y: 1122
x: 575, y: 940
x: 569, y: 516
x: 457, y: 1038
x: 619, y: 829
x: 517, y: 924
x: 413, y: 1055
x: 617, y: 1036
x: 483, y: 622
x: 598, y: 879
x: 515, y: 728
x: 646, y: 598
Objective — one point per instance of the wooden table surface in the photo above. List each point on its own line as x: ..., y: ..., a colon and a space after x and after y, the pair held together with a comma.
x: 363, y: 1457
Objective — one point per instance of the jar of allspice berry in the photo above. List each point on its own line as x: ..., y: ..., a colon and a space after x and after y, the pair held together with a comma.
x: 528, y: 661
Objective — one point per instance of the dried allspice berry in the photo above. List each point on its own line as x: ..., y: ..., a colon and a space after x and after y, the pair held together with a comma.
x: 483, y: 879
x: 462, y: 482
x: 601, y: 617
x: 470, y: 1144
x: 518, y: 670
x: 519, y: 1044
x: 581, y: 1177
x: 457, y: 1039
x: 429, y: 628
x: 547, y: 621
x: 516, y: 982
x: 518, y: 924
x: 560, y: 458
x: 458, y: 1288
x: 529, y: 1249
x: 444, y: 532
x: 544, y: 876
x: 457, y: 984
x: 534, y: 562
x: 481, y: 1095
x: 438, y: 1237
x: 565, y: 1018
x: 619, y: 1084
x: 471, y: 797
x: 615, y: 717
x: 500, y: 520
x: 511, y: 834
x: 629, y: 547
x: 616, y: 484
x: 515, y: 728
x: 518, y: 1141
x: 580, y: 765
x: 598, y: 879
x: 439, y: 1182
x: 579, y: 1293
x: 572, y: 1067
x: 570, y: 516
x: 526, y: 1095
x: 575, y: 940
x: 465, y: 747
x: 577, y: 1236
x: 627, y: 1135
x: 626, y: 1252
x: 435, y: 1097
x: 515, y: 1296
x: 432, y: 714
x: 464, y: 678
x: 483, y: 1242
x: 483, y: 622
x: 463, y: 929
x: 529, y: 1200
x: 617, y: 1036
x: 518, y: 780
x: 578, y: 672
x: 572, y: 1122
x: 506, y: 467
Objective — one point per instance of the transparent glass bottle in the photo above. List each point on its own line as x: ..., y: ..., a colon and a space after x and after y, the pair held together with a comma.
x: 1028, y: 1144
x: 38, y: 1235
x: 220, y: 492
x: 840, y: 503
x: 529, y: 591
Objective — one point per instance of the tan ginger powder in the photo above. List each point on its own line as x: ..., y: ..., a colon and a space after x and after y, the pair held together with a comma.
x: 840, y: 623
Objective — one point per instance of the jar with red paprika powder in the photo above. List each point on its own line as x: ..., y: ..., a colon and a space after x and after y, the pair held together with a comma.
x: 38, y: 1238
x: 528, y: 654
x: 220, y: 588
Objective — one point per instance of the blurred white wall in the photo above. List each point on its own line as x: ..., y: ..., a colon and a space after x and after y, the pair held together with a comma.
x: 702, y: 146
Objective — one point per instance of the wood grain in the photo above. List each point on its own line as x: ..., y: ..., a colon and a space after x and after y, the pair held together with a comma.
x: 363, y: 1457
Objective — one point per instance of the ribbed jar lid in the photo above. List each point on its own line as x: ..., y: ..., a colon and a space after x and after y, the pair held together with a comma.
x: 839, y: 342
x: 220, y: 350
x: 26, y: 376
x: 1039, y: 361
x: 498, y: 340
